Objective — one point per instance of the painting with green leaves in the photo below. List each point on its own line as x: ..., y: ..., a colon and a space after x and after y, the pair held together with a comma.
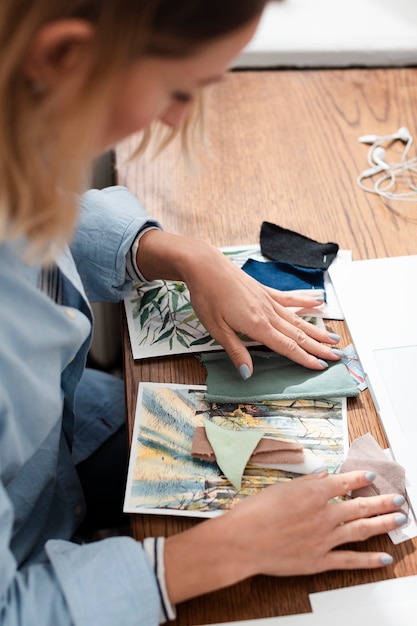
x: 162, y: 321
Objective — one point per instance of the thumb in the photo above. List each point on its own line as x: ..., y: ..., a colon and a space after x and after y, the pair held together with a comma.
x: 238, y: 354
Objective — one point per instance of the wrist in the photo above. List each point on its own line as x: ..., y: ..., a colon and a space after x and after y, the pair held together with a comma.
x: 206, y: 558
x: 162, y: 255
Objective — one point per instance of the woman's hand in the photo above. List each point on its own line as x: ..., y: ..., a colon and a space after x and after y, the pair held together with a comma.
x: 228, y: 301
x: 288, y: 529
x: 310, y: 520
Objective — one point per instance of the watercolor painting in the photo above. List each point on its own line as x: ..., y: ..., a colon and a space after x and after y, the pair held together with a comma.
x: 161, y: 320
x: 164, y: 478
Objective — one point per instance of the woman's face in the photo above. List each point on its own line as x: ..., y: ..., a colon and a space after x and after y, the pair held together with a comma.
x: 157, y: 88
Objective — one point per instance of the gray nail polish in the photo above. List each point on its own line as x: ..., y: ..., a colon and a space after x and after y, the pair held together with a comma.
x: 338, y: 352
x: 398, y: 500
x: 370, y: 477
x: 386, y: 559
x: 244, y: 371
x: 319, y: 299
x: 323, y: 363
x: 319, y: 470
x: 400, y: 519
x: 334, y: 337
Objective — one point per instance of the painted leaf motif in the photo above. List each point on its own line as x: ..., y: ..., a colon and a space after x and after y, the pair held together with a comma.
x: 150, y: 295
x: 144, y: 316
x: 202, y: 340
x: 166, y: 320
x: 185, y: 332
x: 189, y: 318
x: 164, y: 335
x: 182, y: 341
x: 174, y: 300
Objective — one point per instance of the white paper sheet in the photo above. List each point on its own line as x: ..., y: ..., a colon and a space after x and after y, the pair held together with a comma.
x: 393, y: 591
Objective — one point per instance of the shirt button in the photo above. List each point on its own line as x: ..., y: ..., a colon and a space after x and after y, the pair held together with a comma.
x: 78, y: 510
x: 70, y: 313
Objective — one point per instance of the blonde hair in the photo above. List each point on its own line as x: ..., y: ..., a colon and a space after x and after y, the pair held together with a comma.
x: 44, y: 157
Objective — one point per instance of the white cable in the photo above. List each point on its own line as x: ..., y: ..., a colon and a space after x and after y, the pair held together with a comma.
x: 391, y: 172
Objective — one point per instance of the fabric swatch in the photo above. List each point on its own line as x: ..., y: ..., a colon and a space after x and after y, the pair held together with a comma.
x: 232, y: 449
x: 284, y: 276
x: 268, y: 450
x: 281, y: 244
x: 366, y: 454
x: 274, y: 378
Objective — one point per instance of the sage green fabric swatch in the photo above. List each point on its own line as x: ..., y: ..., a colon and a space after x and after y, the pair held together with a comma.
x: 274, y: 378
x: 232, y: 449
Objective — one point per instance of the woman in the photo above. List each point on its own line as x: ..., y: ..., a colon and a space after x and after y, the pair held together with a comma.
x: 76, y: 77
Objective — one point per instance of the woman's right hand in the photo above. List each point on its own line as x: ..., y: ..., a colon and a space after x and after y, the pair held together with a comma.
x: 288, y: 529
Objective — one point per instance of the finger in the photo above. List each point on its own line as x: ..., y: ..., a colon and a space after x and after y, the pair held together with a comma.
x: 297, y: 298
x: 236, y: 351
x: 348, y: 560
x: 289, y: 323
x: 298, y: 302
x: 362, y: 529
x: 293, y: 343
x: 341, y: 484
x: 363, y: 507
x: 266, y: 333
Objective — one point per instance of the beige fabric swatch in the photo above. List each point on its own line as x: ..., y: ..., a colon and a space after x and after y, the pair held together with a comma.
x: 268, y: 450
x: 366, y: 454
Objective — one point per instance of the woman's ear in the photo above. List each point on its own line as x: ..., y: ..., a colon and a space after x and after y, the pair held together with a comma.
x: 59, y: 50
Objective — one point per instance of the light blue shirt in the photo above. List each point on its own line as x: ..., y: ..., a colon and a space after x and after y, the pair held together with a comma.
x: 45, y: 579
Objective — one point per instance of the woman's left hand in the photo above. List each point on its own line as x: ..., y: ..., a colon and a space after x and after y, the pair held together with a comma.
x: 228, y: 301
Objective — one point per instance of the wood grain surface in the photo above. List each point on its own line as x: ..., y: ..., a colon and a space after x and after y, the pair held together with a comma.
x: 282, y: 147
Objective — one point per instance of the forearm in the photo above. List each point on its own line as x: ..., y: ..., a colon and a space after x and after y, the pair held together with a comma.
x: 162, y: 255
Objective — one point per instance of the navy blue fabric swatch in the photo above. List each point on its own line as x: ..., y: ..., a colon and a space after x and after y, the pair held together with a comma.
x: 284, y: 276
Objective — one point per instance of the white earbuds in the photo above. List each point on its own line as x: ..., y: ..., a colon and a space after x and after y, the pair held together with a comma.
x: 378, y: 156
x: 376, y: 160
x: 383, y: 186
x: 403, y: 134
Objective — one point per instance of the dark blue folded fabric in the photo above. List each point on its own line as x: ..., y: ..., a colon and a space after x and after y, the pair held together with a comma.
x: 284, y: 276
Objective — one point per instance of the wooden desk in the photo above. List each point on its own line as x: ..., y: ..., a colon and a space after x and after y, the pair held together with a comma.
x: 284, y: 148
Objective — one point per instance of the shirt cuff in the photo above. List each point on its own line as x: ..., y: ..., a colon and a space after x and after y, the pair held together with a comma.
x: 154, y: 550
x: 132, y: 271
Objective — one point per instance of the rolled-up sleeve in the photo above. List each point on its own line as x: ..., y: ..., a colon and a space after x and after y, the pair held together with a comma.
x: 110, y: 221
x: 108, y: 582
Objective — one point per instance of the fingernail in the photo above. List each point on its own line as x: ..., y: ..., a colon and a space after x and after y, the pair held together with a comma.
x: 319, y: 470
x: 400, y: 519
x: 319, y: 299
x: 386, y: 559
x: 398, y: 500
x: 370, y: 477
x: 334, y: 337
x: 338, y: 352
x: 323, y: 363
x: 244, y: 371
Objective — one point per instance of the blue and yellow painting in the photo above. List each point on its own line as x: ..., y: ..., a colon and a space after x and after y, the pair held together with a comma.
x: 163, y: 476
